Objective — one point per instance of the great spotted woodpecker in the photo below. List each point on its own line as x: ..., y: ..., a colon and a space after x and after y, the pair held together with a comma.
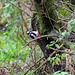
x: 33, y: 34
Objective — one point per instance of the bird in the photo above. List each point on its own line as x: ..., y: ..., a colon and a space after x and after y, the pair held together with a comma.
x: 33, y: 34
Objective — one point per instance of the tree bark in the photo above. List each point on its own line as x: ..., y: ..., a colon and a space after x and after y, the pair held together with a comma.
x: 47, y: 20
x: 47, y: 16
x: 73, y: 2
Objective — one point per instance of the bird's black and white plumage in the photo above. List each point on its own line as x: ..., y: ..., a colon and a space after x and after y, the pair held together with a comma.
x: 33, y: 34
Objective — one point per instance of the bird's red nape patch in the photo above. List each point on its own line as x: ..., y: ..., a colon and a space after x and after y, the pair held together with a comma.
x: 3, y: 5
x: 39, y: 35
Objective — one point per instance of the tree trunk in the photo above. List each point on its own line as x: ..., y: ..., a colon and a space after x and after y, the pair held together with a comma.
x: 73, y: 2
x: 47, y: 20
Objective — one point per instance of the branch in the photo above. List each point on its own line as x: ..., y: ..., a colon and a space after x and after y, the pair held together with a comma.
x: 44, y: 61
x: 28, y: 7
x: 22, y: 17
x: 55, y: 50
x: 22, y: 38
x: 46, y: 73
x: 67, y: 3
x: 33, y: 65
x: 63, y: 8
x: 62, y: 51
x: 20, y: 9
x: 63, y: 20
x: 39, y: 38
x: 55, y: 37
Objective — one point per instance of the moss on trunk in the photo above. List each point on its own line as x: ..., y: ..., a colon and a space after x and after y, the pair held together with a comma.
x: 47, y: 20
x: 73, y: 2
x: 47, y: 14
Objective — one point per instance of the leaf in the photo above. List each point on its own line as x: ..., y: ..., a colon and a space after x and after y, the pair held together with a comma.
x: 56, y: 62
x: 37, y: 47
x: 6, y: 32
x: 53, y: 64
x: 63, y: 56
x: 57, y: 55
x: 60, y: 73
x: 58, y: 59
x: 64, y: 73
x: 69, y: 28
x: 64, y: 13
x: 51, y: 45
x: 57, y: 73
x: 53, y: 58
x: 49, y: 59
x: 63, y: 33
x: 72, y: 46
x: 71, y: 25
x: 57, y: 46
x: 53, y: 42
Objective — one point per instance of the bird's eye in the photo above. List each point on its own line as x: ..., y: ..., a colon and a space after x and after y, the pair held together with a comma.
x: 30, y: 32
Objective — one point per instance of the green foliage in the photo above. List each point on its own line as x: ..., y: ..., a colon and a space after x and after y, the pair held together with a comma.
x: 10, y: 41
x: 70, y: 28
x: 56, y: 59
x: 64, y: 13
x: 11, y: 47
x: 72, y: 46
x: 30, y: 72
x: 57, y: 46
x: 71, y: 25
x: 51, y: 44
x: 63, y: 35
x: 60, y: 73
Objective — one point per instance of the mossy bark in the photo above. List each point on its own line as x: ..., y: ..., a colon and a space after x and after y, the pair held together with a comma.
x: 47, y: 20
x: 47, y: 16
x: 73, y: 2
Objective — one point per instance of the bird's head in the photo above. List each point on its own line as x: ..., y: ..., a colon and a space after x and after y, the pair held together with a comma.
x: 28, y: 32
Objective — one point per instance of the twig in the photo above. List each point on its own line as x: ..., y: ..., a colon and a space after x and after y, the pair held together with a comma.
x: 67, y: 3
x: 21, y: 16
x: 22, y: 38
x: 61, y: 51
x: 33, y: 65
x: 63, y: 8
x: 55, y: 50
x: 63, y: 20
x: 44, y: 61
x: 24, y: 22
x: 70, y: 62
x: 39, y: 38
x: 27, y: 7
x: 20, y: 9
x: 46, y: 73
